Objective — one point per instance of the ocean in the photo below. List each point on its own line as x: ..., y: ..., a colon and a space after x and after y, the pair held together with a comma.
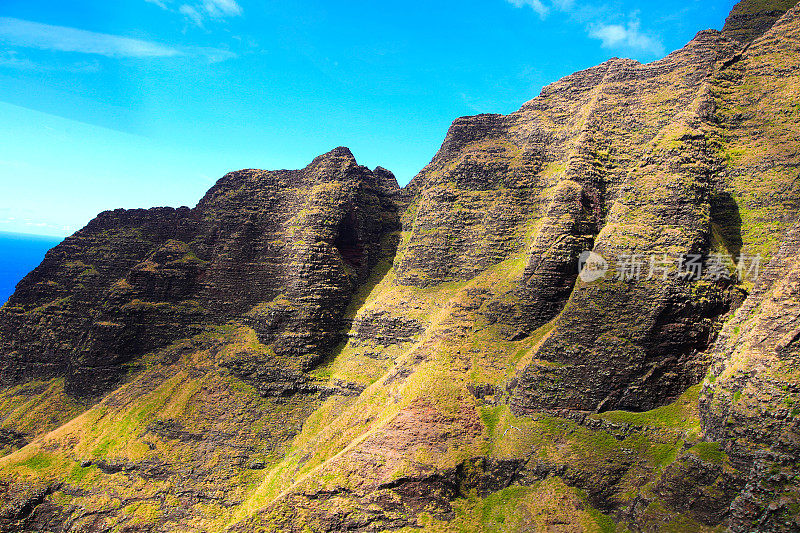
x: 19, y: 254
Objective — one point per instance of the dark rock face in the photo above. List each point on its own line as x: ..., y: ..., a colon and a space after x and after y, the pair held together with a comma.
x: 752, y: 18
x: 74, y: 310
x: 320, y: 350
x: 634, y: 344
x: 749, y: 402
x: 283, y: 251
x: 699, y: 488
x: 384, y: 329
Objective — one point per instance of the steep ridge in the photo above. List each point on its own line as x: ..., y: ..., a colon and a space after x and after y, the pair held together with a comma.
x: 721, y: 178
x: 318, y: 350
x: 750, y: 400
x: 281, y: 250
x: 752, y: 18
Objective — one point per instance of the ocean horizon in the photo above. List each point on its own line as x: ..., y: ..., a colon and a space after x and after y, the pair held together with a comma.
x: 19, y: 254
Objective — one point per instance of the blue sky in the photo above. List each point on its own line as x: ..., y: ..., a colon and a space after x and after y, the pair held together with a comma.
x: 137, y: 103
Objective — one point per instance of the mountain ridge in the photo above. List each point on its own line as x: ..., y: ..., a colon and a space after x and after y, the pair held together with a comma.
x: 321, y: 350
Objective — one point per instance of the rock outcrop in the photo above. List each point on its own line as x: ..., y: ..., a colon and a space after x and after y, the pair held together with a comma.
x: 752, y: 18
x: 283, y: 251
x: 319, y: 350
x: 751, y: 399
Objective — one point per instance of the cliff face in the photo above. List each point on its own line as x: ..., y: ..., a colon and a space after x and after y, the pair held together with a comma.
x: 283, y: 251
x: 750, y: 19
x: 320, y: 350
x: 750, y: 400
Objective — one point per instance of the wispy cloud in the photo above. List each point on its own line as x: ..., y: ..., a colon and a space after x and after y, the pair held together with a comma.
x: 14, y: 60
x: 545, y: 7
x: 16, y: 32
x: 628, y: 36
x: 192, y: 14
x: 214, y: 55
x: 198, y: 13
x: 536, y: 5
x: 26, y: 34
x: 222, y: 8
x: 600, y: 22
x: 29, y: 225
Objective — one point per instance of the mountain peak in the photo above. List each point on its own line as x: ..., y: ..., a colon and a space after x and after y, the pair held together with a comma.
x: 581, y: 315
x: 749, y: 19
x: 338, y: 153
x: 334, y: 162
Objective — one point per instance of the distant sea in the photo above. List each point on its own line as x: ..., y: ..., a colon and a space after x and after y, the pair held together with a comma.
x: 19, y: 254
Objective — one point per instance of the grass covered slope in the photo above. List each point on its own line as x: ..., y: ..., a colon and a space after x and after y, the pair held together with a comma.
x: 751, y: 398
x: 179, y: 446
x: 427, y: 359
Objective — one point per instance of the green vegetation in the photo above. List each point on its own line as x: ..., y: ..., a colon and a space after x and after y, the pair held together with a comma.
x: 37, y: 407
x: 709, y: 452
x: 680, y: 415
x: 539, y: 507
x: 439, y: 375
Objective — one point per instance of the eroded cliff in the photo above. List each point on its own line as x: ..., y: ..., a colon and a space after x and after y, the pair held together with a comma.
x: 321, y: 350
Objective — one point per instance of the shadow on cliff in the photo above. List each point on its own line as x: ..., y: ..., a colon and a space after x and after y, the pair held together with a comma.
x: 376, y: 275
x: 726, y: 223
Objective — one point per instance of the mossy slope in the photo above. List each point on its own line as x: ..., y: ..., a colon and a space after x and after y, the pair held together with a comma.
x: 451, y: 373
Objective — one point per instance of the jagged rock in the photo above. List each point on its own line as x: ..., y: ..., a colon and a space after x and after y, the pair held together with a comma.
x: 320, y: 350
x: 283, y: 251
x: 752, y: 18
x: 749, y: 399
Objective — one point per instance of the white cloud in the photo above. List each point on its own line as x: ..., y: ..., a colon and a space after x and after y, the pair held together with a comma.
x: 536, y: 5
x: 611, y: 35
x: 198, y: 12
x: 628, y: 36
x: 25, y: 34
x: 16, y: 32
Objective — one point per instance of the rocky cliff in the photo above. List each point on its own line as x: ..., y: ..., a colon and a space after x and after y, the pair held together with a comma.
x: 281, y: 251
x: 319, y: 350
